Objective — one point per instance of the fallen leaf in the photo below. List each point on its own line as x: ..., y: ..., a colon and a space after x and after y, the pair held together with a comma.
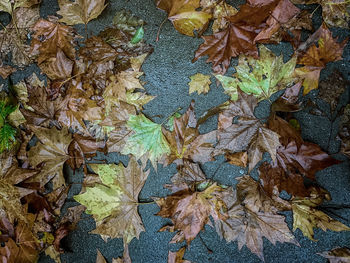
x: 335, y: 13
x: 221, y: 12
x: 184, y: 15
x: 252, y: 215
x: 189, y: 209
x: 337, y: 255
x: 344, y: 131
x: 10, y: 6
x: 14, y: 36
x: 199, y: 83
x: 261, y: 77
x: 113, y: 200
x: 316, y: 57
x: 6, y: 70
x: 147, y: 139
x: 306, y: 216
x: 238, y: 159
x: 332, y: 88
x: 52, y: 150
x: 80, y: 11
x: 185, y: 141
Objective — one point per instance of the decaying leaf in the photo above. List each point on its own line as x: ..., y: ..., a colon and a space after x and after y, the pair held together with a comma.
x: 14, y: 35
x: 334, y: 12
x: 113, y: 200
x: 80, y: 11
x: 316, y: 57
x: 52, y: 152
x: 251, y: 216
x: 199, y: 83
x: 344, y: 131
x: 185, y: 141
x: 306, y: 216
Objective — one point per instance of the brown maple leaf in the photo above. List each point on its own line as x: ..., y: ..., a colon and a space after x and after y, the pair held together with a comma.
x: 192, y: 203
x: 37, y: 109
x: 240, y: 35
x: 252, y: 215
x: 315, y: 57
x: 52, y: 151
x: 291, y: 165
x: 54, y: 45
x: 22, y: 246
x: 186, y: 142
x: 247, y: 133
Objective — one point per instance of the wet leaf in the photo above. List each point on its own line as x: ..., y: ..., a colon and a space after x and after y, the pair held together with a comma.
x: 80, y: 11
x: 185, y: 141
x: 184, y: 15
x: 147, y: 139
x: 315, y: 58
x: 251, y: 216
x: 199, y: 83
x: 113, y: 200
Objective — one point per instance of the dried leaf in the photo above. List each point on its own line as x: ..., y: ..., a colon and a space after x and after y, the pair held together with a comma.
x: 337, y: 255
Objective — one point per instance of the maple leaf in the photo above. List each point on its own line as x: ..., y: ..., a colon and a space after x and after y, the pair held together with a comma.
x: 316, y: 57
x: 238, y: 37
x: 248, y: 133
x: 189, y: 207
x: 306, y: 216
x: 37, y: 109
x: 53, y: 42
x: 10, y: 176
x: 52, y: 150
x: 184, y: 16
x: 294, y: 160
x: 80, y: 11
x: 77, y: 107
x: 185, y: 141
x: 261, y: 77
x: 127, y: 22
x: 147, y: 139
x: 334, y: 12
x: 251, y: 216
x: 14, y: 36
x: 199, y: 83
x: 21, y: 247
x: 113, y: 202
x: 337, y: 255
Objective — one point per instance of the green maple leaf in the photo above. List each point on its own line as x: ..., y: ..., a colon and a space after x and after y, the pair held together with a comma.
x: 147, y: 139
x: 261, y: 77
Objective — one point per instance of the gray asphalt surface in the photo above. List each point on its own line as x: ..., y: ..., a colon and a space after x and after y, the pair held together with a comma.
x: 167, y: 73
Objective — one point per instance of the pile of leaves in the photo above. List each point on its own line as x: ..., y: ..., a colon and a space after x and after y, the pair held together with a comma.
x: 92, y: 101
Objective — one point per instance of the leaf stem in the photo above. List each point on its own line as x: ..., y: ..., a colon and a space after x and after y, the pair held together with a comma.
x: 161, y: 25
